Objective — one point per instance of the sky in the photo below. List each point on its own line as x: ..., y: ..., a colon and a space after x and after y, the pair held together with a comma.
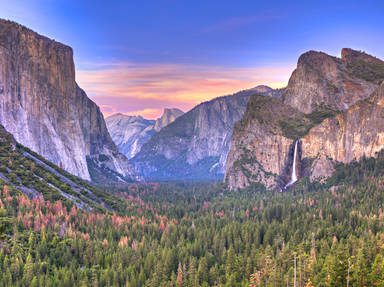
x: 139, y: 57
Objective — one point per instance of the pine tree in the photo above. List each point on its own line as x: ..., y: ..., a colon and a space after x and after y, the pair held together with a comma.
x: 254, y: 280
x: 248, y: 267
x: 28, y: 270
x: 337, y: 266
x: 203, y: 270
x: 31, y: 242
x: 358, y: 269
x: 192, y: 276
x: 34, y: 282
x: 231, y: 266
x: 376, y: 277
x: 2, y: 234
x: 180, y: 279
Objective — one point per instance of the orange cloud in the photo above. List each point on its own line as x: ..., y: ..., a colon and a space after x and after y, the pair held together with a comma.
x: 148, y: 88
x: 147, y: 113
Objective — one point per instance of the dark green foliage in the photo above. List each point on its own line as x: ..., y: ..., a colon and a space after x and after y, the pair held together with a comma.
x: 295, y: 128
x: 276, y: 117
x: 319, y: 115
x: 371, y: 71
x: 2, y: 234
x: 19, y: 165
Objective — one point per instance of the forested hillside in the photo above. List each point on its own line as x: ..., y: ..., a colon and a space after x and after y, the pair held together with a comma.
x: 202, y: 235
x: 30, y: 173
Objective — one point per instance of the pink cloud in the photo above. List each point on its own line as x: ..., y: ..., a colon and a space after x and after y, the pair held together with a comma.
x: 147, y: 113
x: 148, y: 88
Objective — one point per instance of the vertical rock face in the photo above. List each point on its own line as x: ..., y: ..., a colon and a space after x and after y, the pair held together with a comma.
x: 45, y: 110
x: 261, y: 150
x: 321, y: 81
x: 195, y: 145
x: 168, y: 116
x: 131, y: 132
x: 348, y: 136
x: 329, y: 105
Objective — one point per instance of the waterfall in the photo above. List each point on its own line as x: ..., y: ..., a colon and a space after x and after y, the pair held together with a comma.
x: 294, y: 174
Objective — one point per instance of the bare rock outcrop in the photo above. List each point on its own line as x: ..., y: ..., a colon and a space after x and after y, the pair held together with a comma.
x: 356, y: 133
x: 321, y: 81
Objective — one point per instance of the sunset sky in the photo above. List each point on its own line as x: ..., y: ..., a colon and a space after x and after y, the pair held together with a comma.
x: 138, y: 57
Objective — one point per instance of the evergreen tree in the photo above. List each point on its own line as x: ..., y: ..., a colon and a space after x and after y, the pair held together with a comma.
x: 376, y: 276
x: 28, y: 270
x: 180, y: 277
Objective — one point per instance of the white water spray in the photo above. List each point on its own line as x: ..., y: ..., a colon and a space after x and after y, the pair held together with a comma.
x: 294, y: 174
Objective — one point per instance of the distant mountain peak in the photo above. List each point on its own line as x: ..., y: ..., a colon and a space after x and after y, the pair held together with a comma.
x: 176, y: 110
x: 121, y: 115
x: 262, y: 89
x: 168, y: 116
x: 131, y: 132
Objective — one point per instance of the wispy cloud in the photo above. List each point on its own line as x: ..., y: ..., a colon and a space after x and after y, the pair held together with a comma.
x: 148, y: 88
x: 147, y: 113
x: 237, y: 22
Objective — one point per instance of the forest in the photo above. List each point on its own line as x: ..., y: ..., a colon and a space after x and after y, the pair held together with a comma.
x: 201, y: 234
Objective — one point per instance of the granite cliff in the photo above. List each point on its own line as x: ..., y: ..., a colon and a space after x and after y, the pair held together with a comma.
x: 356, y: 133
x: 263, y: 140
x: 46, y: 111
x: 321, y: 81
x: 130, y: 132
x: 168, y: 116
x: 331, y: 106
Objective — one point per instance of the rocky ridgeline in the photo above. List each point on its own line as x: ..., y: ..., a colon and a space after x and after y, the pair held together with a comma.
x: 332, y: 105
x: 321, y: 81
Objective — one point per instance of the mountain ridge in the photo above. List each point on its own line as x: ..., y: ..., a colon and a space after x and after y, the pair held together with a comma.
x: 328, y: 126
x: 324, y: 81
